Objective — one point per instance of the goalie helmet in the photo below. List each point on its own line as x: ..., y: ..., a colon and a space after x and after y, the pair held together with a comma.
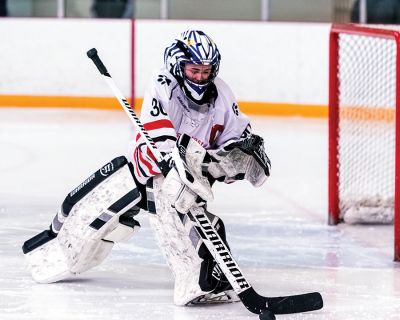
x: 192, y: 47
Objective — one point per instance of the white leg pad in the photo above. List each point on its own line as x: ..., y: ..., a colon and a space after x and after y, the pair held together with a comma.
x: 174, y: 240
x: 81, y: 232
x: 79, y: 245
x: 48, y: 263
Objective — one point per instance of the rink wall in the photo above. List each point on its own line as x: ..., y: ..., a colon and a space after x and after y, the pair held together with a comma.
x: 273, y: 68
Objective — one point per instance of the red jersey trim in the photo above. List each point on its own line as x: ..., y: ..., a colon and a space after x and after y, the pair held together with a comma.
x: 154, y: 125
x: 147, y: 164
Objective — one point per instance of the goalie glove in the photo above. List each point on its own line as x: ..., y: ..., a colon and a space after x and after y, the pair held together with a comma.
x: 253, y: 146
x: 241, y: 159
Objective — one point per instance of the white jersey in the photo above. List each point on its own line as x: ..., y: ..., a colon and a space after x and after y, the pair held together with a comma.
x: 167, y: 113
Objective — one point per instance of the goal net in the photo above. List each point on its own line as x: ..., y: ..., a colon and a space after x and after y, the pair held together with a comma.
x: 363, y: 101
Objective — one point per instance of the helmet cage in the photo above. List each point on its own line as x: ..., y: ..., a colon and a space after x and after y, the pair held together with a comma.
x: 211, y: 77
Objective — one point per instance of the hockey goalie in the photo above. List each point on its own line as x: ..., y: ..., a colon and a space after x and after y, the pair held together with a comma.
x: 194, y: 120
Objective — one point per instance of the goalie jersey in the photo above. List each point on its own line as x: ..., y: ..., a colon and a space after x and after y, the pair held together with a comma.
x: 167, y: 113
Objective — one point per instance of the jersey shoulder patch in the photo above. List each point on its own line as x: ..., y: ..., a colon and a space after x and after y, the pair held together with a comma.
x: 163, y: 84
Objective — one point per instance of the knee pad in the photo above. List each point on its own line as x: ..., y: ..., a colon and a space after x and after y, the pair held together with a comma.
x: 92, y: 217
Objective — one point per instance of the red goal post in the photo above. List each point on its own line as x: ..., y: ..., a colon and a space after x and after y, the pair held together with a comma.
x: 364, y: 126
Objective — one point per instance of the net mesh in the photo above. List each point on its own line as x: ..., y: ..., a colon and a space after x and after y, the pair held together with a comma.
x: 366, y: 149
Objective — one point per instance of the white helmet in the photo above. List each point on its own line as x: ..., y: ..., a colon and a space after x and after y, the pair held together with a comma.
x: 193, y: 47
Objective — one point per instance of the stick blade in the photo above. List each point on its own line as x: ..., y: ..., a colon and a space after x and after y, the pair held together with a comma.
x: 294, y: 304
x: 281, y: 305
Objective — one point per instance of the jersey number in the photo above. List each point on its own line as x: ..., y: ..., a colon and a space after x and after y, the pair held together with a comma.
x: 157, y: 108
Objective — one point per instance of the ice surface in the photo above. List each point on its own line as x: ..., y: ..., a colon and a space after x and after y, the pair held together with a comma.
x: 278, y: 233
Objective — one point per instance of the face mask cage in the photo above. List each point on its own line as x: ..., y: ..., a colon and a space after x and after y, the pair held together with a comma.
x: 198, y: 83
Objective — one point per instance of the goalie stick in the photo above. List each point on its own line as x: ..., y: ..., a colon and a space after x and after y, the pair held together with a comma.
x: 250, y: 298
